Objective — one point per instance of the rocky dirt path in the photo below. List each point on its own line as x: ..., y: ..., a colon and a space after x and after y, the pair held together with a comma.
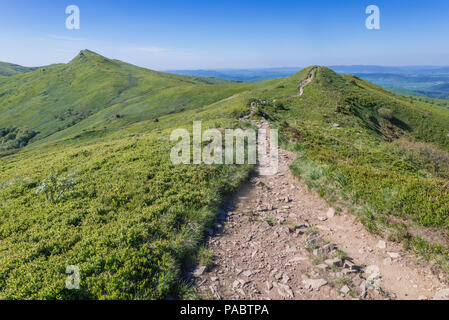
x: 304, y: 83
x: 277, y: 240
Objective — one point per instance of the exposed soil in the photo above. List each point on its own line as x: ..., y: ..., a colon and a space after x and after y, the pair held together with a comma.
x: 306, y: 82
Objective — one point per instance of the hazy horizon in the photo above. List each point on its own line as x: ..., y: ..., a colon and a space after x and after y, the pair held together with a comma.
x: 240, y: 68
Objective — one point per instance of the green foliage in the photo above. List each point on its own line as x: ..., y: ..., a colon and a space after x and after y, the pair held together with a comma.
x: 424, y: 155
x: 15, y: 138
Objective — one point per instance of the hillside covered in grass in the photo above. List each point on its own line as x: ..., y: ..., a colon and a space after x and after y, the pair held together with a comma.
x: 86, y: 179
x: 9, y: 69
x: 93, y: 93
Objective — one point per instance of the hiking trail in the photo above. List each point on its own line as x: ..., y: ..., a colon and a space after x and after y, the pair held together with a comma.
x: 277, y: 240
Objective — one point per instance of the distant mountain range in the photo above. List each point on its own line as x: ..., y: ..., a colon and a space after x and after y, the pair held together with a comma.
x: 410, y: 70
x: 249, y: 75
x: 243, y: 75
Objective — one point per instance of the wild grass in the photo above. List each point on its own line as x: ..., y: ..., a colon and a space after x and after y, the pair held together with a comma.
x: 129, y: 223
x: 205, y: 257
x: 132, y: 220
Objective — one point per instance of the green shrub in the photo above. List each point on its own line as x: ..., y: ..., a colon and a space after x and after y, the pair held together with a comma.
x: 424, y: 155
x: 15, y: 138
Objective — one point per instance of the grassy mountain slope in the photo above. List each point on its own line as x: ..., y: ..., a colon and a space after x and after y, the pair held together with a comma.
x: 9, y: 69
x: 130, y: 219
x: 92, y: 93
x: 129, y: 223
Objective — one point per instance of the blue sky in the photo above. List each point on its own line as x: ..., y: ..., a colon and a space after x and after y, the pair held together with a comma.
x: 175, y: 34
